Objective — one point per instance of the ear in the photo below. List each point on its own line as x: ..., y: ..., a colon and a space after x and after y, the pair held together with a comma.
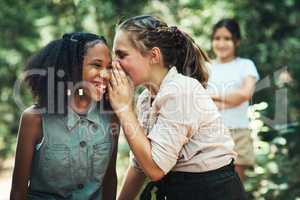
x: 155, y: 55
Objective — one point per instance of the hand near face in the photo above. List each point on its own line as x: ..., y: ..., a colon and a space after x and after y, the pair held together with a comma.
x: 121, y: 90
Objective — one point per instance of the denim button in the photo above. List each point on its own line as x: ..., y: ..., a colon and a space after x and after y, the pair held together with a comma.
x: 95, y: 126
x: 82, y: 144
x: 80, y: 186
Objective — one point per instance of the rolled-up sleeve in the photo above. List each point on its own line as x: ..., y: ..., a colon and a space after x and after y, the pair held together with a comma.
x: 250, y: 70
x: 170, y: 131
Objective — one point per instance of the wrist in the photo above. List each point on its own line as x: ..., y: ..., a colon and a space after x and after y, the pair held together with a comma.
x: 124, y: 112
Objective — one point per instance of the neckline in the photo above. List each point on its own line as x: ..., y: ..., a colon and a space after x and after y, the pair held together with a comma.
x: 226, y: 63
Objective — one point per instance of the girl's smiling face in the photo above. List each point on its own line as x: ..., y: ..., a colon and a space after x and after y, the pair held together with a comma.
x: 223, y: 45
x: 136, y: 65
x: 95, y: 75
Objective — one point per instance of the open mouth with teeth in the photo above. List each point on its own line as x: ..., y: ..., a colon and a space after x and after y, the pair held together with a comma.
x: 100, y: 87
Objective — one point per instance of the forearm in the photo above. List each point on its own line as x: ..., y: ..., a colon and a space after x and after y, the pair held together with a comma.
x: 19, y: 187
x: 21, y: 172
x: 222, y: 105
x: 231, y: 99
x: 236, y: 98
x: 110, y: 181
x: 140, y: 145
x: 17, y: 194
x: 239, y: 95
x: 132, y: 184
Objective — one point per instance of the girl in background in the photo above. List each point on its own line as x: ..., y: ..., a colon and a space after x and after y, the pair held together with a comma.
x: 65, y: 147
x: 232, y: 83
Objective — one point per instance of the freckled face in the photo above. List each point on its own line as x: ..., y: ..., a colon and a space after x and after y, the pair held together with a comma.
x: 131, y: 60
x: 223, y: 45
x: 95, y: 75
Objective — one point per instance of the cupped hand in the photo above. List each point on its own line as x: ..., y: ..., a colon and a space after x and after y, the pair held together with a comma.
x: 121, y: 90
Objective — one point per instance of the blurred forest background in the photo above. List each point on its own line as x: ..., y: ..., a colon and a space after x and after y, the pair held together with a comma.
x: 271, y: 37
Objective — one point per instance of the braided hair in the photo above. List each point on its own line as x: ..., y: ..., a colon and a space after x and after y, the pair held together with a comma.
x: 177, y: 47
x: 57, y: 67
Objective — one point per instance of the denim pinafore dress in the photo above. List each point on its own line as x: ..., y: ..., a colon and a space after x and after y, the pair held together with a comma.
x: 72, y: 159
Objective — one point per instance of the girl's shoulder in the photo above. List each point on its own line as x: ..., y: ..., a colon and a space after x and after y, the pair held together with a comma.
x: 182, y: 85
x: 31, y: 123
x: 32, y: 115
x: 32, y: 110
x: 246, y: 61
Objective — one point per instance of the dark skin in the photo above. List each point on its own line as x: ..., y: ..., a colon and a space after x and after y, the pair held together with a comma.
x: 30, y: 128
x: 110, y: 179
x: 29, y: 135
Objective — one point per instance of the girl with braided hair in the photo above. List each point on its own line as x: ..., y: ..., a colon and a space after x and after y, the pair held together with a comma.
x: 65, y: 147
x: 177, y: 137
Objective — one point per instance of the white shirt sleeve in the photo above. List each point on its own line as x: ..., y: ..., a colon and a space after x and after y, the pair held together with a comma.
x: 249, y: 69
x: 170, y: 132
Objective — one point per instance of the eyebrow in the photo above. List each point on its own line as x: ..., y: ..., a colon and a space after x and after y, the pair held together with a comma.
x: 119, y: 51
x: 97, y: 60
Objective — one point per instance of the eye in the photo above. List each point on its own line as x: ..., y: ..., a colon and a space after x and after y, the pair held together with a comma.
x: 96, y: 65
x: 228, y: 38
x: 121, y: 55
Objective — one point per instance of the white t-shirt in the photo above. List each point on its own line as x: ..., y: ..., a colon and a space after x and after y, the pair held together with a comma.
x: 226, y: 77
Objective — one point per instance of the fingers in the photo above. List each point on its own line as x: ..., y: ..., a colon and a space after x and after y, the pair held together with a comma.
x: 118, y: 76
x: 113, y: 80
x: 116, y: 73
x: 120, y: 71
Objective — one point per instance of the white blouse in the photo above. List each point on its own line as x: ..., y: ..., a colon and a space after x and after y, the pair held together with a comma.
x: 184, y: 127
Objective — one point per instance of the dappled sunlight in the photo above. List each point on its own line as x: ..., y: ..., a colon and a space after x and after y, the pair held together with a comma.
x: 270, y: 37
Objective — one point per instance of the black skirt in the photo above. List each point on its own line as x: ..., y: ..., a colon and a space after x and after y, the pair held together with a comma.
x: 220, y: 184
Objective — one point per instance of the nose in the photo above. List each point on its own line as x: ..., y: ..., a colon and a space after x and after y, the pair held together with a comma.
x: 220, y: 43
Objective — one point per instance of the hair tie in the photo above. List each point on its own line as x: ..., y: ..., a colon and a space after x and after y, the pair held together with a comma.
x: 176, y: 30
x: 178, y: 34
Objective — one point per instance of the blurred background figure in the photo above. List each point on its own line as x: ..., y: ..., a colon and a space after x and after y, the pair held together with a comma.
x: 232, y: 83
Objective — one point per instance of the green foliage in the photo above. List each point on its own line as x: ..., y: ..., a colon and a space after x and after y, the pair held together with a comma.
x: 270, y: 36
x: 273, y: 28
x: 18, y: 39
x: 270, y: 31
x: 28, y: 25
